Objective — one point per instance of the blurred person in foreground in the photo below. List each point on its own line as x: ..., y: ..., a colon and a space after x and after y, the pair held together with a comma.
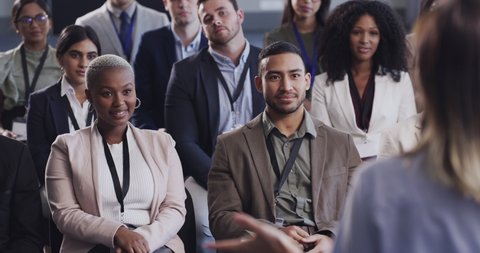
x: 429, y: 199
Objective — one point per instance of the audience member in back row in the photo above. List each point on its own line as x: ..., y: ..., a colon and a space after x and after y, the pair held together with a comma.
x: 120, y: 25
x: 112, y: 185
x: 30, y: 66
x: 429, y: 199
x: 302, y: 25
x: 365, y: 88
x: 62, y: 107
x: 210, y: 93
x: 158, y: 51
x: 20, y: 208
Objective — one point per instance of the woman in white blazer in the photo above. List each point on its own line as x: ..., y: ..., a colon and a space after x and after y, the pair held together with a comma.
x: 365, y: 88
x: 111, y: 185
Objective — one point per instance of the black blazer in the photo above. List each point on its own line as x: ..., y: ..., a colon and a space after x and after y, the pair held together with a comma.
x: 20, y: 207
x: 46, y: 119
x: 153, y: 64
x: 192, y: 110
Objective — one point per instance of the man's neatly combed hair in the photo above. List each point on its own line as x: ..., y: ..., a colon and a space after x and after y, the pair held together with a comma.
x: 234, y: 3
x: 276, y: 48
x: 335, y: 53
x: 102, y: 63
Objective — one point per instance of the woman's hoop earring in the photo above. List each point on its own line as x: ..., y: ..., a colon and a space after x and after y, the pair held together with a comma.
x: 139, y: 102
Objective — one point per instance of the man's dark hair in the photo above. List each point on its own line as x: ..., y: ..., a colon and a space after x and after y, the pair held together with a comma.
x: 279, y: 47
x: 234, y: 3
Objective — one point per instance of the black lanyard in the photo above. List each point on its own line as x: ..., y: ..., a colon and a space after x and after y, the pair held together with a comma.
x: 70, y: 114
x: 120, y: 191
x: 240, y: 84
x: 29, y: 88
x: 281, y: 178
x: 311, y: 63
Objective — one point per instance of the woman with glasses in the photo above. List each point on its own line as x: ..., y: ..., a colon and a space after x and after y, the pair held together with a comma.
x: 302, y: 24
x: 62, y: 107
x: 29, y: 67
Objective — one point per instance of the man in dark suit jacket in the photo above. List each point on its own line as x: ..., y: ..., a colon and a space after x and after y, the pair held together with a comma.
x: 158, y: 51
x: 283, y: 166
x: 20, y: 207
x: 199, y: 103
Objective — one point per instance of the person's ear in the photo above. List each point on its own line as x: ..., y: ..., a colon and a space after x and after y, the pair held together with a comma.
x: 308, y: 78
x: 259, y: 84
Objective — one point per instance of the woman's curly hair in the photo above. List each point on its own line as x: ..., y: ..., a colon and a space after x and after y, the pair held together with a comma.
x: 335, y: 54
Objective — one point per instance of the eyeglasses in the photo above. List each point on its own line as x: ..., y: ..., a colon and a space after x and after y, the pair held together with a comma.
x: 40, y: 19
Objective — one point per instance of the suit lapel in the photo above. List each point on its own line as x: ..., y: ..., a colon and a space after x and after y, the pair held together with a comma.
x: 342, y: 91
x: 255, y: 139
x: 318, y: 148
x: 109, y: 31
x: 210, y: 87
x: 57, y: 107
x: 170, y: 47
x: 95, y: 152
x: 379, y: 101
x: 146, y: 153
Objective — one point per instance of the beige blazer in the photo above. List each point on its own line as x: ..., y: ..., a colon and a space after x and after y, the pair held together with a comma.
x: 72, y: 183
x: 392, y: 103
x: 240, y: 179
x: 146, y: 19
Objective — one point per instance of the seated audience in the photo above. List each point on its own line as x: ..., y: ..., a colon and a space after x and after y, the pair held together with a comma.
x: 62, y: 107
x: 120, y: 25
x: 158, y: 51
x: 429, y: 199
x: 20, y: 207
x: 111, y: 185
x: 271, y: 168
x: 28, y: 67
x: 365, y: 88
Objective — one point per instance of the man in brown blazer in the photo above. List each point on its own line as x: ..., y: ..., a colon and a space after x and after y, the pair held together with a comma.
x: 284, y: 166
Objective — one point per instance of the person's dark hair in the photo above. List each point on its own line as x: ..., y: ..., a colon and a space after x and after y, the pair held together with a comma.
x: 234, y: 3
x: 448, y: 61
x: 19, y: 4
x: 73, y: 34
x: 321, y: 14
x: 279, y: 47
x: 335, y: 53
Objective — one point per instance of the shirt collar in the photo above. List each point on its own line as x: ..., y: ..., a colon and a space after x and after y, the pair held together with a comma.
x: 66, y: 87
x: 307, y: 126
x: 221, y: 59
x: 116, y: 11
x: 195, y: 43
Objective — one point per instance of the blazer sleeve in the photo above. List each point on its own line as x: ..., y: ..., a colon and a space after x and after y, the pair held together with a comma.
x: 37, y: 134
x: 66, y: 210
x: 182, y: 122
x: 26, y: 215
x: 223, y: 198
x: 144, y: 71
x: 171, y: 214
x: 319, y: 101
x: 407, y: 102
